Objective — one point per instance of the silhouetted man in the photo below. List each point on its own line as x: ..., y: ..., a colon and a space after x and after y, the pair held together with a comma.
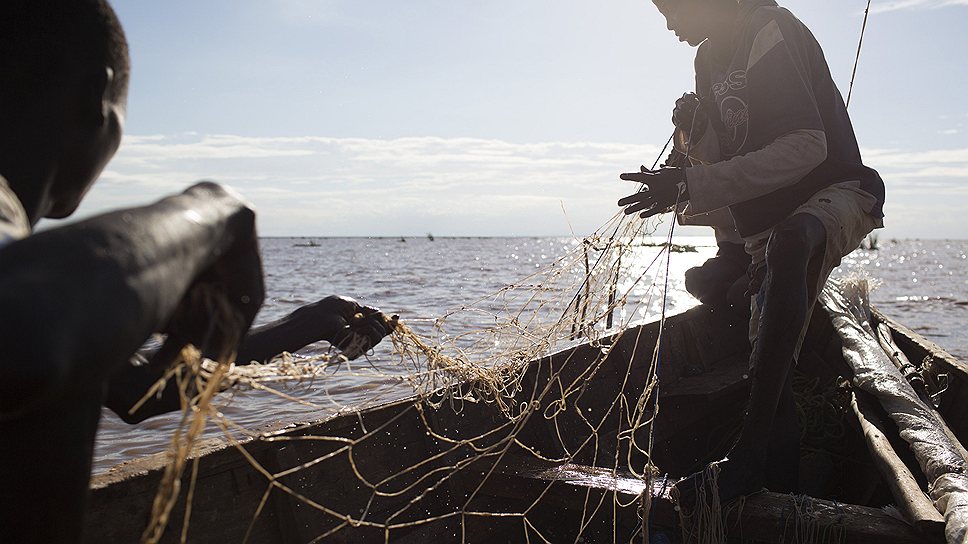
x: 790, y: 174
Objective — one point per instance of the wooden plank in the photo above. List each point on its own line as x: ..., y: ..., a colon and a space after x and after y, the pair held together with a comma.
x: 763, y: 517
x: 910, y: 499
x: 773, y: 517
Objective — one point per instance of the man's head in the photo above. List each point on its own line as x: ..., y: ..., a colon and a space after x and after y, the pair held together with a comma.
x: 694, y: 21
x: 62, y: 105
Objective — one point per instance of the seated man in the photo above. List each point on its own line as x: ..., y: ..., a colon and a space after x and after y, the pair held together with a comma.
x: 78, y: 301
x: 792, y: 179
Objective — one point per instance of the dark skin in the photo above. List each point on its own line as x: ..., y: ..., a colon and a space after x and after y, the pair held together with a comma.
x: 80, y: 300
x: 767, y: 450
x: 341, y: 321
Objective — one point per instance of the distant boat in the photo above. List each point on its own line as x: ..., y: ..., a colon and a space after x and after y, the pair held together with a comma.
x: 402, y: 239
x: 430, y: 237
x: 311, y: 243
x: 674, y: 248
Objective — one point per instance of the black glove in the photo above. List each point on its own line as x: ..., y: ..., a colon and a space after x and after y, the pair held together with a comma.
x: 663, y: 188
x: 689, y: 116
x: 363, y: 331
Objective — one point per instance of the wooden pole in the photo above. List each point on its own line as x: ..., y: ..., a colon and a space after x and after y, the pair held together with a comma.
x: 911, y: 500
x: 910, y: 373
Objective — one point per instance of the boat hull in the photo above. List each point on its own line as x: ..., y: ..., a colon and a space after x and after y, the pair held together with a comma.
x: 410, y: 471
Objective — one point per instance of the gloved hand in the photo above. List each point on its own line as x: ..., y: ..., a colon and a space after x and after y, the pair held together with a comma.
x: 689, y: 116
x: 662, y: 189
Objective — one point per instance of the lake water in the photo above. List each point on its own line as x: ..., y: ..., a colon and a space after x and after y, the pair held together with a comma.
x: 923, y: 284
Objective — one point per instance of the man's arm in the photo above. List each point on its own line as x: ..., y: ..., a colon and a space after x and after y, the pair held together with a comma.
x: 79, y: 300
x: 745, y: 177
x: 341, y: 321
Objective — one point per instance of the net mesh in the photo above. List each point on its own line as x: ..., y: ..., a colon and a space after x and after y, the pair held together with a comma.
x: 593, y: 291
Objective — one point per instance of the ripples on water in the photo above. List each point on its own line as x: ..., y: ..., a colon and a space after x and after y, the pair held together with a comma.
x: 925, y: 286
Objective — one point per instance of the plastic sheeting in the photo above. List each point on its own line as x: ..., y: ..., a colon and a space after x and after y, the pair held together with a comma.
x: 947, y: 472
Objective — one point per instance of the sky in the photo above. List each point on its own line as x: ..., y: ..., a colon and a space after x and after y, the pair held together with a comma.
x: 493, y: 117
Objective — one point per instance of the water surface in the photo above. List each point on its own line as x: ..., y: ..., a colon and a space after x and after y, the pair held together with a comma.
x: 923, y: 284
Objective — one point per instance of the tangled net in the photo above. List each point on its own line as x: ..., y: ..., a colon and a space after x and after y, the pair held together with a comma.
x: 594, y: 291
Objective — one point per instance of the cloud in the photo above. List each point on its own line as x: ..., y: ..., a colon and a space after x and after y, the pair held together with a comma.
x: 896, y: 158
x: 321, y: 185
x: 898, y: 5
x: 318, y: 185
x: 305, y: 12
x: 931, y: 177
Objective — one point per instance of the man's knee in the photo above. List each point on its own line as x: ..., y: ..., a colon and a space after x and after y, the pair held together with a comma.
x: 795, y: 241
x: 711, y: 282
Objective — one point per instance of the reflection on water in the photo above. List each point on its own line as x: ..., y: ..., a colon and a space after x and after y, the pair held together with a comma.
x: 925, y: 285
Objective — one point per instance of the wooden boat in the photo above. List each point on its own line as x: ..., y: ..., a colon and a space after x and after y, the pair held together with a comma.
x: 409, y: 472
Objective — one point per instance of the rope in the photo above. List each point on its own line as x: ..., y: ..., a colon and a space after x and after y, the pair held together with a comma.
x: 665, y: 287
x: 666, y: 146
x: 860, y: 43
x: 611, y: 239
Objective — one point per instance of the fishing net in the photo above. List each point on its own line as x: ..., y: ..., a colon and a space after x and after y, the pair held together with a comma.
x: 435, y: 459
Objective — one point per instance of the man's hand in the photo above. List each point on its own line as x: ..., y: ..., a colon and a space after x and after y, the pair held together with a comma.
x: 689, y: 116
x: 348, y: 325
x: 662, y: 189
